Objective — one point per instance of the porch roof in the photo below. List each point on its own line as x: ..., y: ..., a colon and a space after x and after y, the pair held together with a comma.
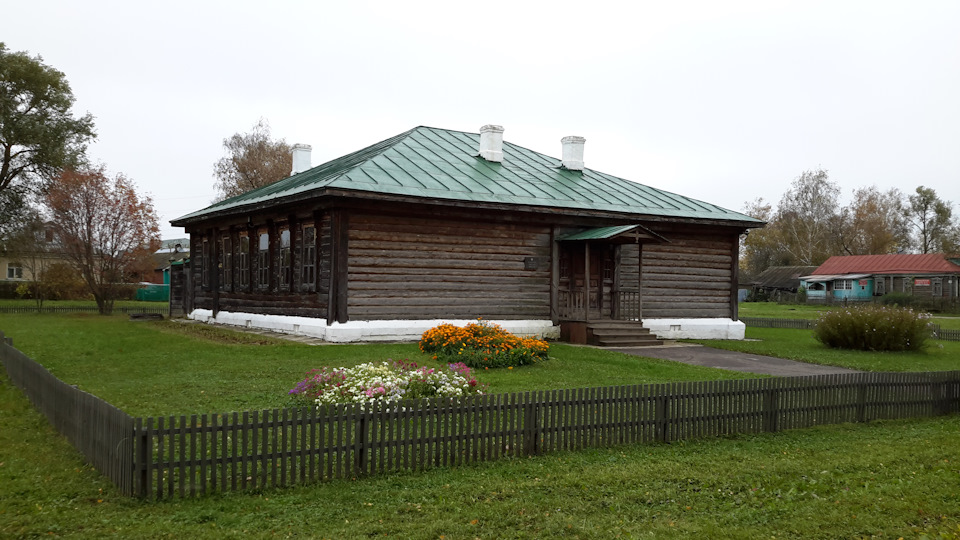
x: 832, y: 277
x: 620, y: 233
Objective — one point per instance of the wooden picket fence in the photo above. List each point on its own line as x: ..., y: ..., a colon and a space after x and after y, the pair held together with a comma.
x: 179, y: 456
x: 163, y: 309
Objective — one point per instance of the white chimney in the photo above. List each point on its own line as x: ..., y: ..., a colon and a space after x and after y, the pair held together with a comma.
x: 491, y: 143
x: 573, y: 152
x: 301, y: 158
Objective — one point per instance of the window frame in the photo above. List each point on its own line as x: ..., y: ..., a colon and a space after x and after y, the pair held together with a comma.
x: 308, y: 258
x: 263, y: 260
x: 243, y: 260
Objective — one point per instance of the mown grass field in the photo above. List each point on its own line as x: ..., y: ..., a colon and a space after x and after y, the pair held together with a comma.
x: 882, y: 479
x: 157, y: 368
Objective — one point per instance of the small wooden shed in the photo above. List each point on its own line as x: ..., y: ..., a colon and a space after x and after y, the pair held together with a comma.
x: 441, y: 225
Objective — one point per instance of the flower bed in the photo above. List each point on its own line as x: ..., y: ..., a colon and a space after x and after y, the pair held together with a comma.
x: 482, y: 344
x: 384, y: 382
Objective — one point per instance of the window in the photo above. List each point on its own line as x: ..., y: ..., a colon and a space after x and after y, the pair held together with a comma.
x: 226, y: 264
x: 308, y: 273
x: 285, y: 258
x: 243, y: 261
x: 14, y: 270
x: 843, y: 285
x: 263, y: 262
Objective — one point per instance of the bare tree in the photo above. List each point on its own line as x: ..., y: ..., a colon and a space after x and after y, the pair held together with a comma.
x: 253, y: 160
x: 103, y: 227
x: 807, y: 218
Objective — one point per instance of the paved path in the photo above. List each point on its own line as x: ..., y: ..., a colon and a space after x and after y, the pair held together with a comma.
x: 699, y: 355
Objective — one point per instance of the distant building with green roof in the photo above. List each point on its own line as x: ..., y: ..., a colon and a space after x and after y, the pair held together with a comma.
x: 441, y: 225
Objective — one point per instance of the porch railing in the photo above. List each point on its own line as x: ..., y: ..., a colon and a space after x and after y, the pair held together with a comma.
x: 626, y: 305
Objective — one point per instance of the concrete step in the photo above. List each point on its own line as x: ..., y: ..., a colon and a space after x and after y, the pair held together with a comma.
x: 620, y: 334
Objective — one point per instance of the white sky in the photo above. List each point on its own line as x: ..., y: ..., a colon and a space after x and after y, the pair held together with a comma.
x: 721, y: 101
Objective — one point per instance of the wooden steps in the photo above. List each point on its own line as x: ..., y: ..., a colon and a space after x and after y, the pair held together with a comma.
x: 620, y: 334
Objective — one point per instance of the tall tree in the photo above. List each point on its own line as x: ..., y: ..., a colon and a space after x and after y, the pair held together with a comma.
x: 931, y: 220
x: 761, y: 248
x: 808, y: 217
x: 39, y: 136
x: 873, y: 223
x: 104, y: 229
x: 253, y: 160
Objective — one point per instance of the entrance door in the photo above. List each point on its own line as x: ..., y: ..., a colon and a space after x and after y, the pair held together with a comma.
x: 574, y: 278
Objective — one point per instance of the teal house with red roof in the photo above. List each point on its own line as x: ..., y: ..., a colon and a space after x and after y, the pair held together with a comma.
x: 437, y: 225
x: 863, y: 277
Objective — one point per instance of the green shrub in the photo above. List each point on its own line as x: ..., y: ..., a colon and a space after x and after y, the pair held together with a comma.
x: 802, y: 295
x: 898, y: 299
x: 872, y: 327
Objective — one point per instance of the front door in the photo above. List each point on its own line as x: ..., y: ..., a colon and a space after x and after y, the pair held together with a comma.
x: 577, y: 278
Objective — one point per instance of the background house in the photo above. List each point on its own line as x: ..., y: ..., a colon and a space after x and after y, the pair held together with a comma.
x: 439, y: 225
x: 777, y: 281
x: 863, y: 277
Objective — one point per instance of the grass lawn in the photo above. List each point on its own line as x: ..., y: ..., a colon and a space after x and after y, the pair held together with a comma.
x: 801, y: 345
x: 773, y: 310
x: 886, y: 478
x: 883, y: 479
x: 157, y: 368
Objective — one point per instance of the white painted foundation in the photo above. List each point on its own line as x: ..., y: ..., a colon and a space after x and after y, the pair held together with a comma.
x: 696, y: 328
x: 353, y: 331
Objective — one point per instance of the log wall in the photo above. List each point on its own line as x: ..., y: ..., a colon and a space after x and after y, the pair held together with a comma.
x: 422, y: 268
x: 689, y: 277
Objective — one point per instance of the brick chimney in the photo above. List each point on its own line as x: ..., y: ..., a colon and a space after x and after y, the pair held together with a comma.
x: 301, y: 158
x: 572, y: 155
x: 491, y: 143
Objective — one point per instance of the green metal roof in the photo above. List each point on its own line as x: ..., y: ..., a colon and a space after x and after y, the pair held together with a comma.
x: 443, y: 164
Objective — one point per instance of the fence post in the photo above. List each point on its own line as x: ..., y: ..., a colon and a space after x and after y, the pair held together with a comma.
x: 362, y: 440
x: 140, y: 465
x: 862, y: 397
x: 531, y: 426
x: 660, y: 414
x: 771, y: 411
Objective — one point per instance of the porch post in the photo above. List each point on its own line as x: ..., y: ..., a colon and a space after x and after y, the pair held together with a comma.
x: 554, y: 276
x: 640, y: 282
x: 586, y: 281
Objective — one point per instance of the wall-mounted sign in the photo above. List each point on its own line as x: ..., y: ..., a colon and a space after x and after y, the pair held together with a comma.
x: 921, y: 282
x: 864, y: 282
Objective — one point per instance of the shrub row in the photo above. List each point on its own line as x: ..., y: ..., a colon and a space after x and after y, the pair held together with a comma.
x: 871, y: 327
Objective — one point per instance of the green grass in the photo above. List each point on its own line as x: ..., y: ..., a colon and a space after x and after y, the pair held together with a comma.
x: 883, y: 479
x: 773, y: 310
x: 151, y: 369
x: 801, y: 345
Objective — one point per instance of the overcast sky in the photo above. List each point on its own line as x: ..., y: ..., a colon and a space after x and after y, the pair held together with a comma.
x: 724, y: 101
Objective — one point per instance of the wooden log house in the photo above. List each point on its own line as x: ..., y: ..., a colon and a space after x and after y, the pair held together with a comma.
x: 439, y: 225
